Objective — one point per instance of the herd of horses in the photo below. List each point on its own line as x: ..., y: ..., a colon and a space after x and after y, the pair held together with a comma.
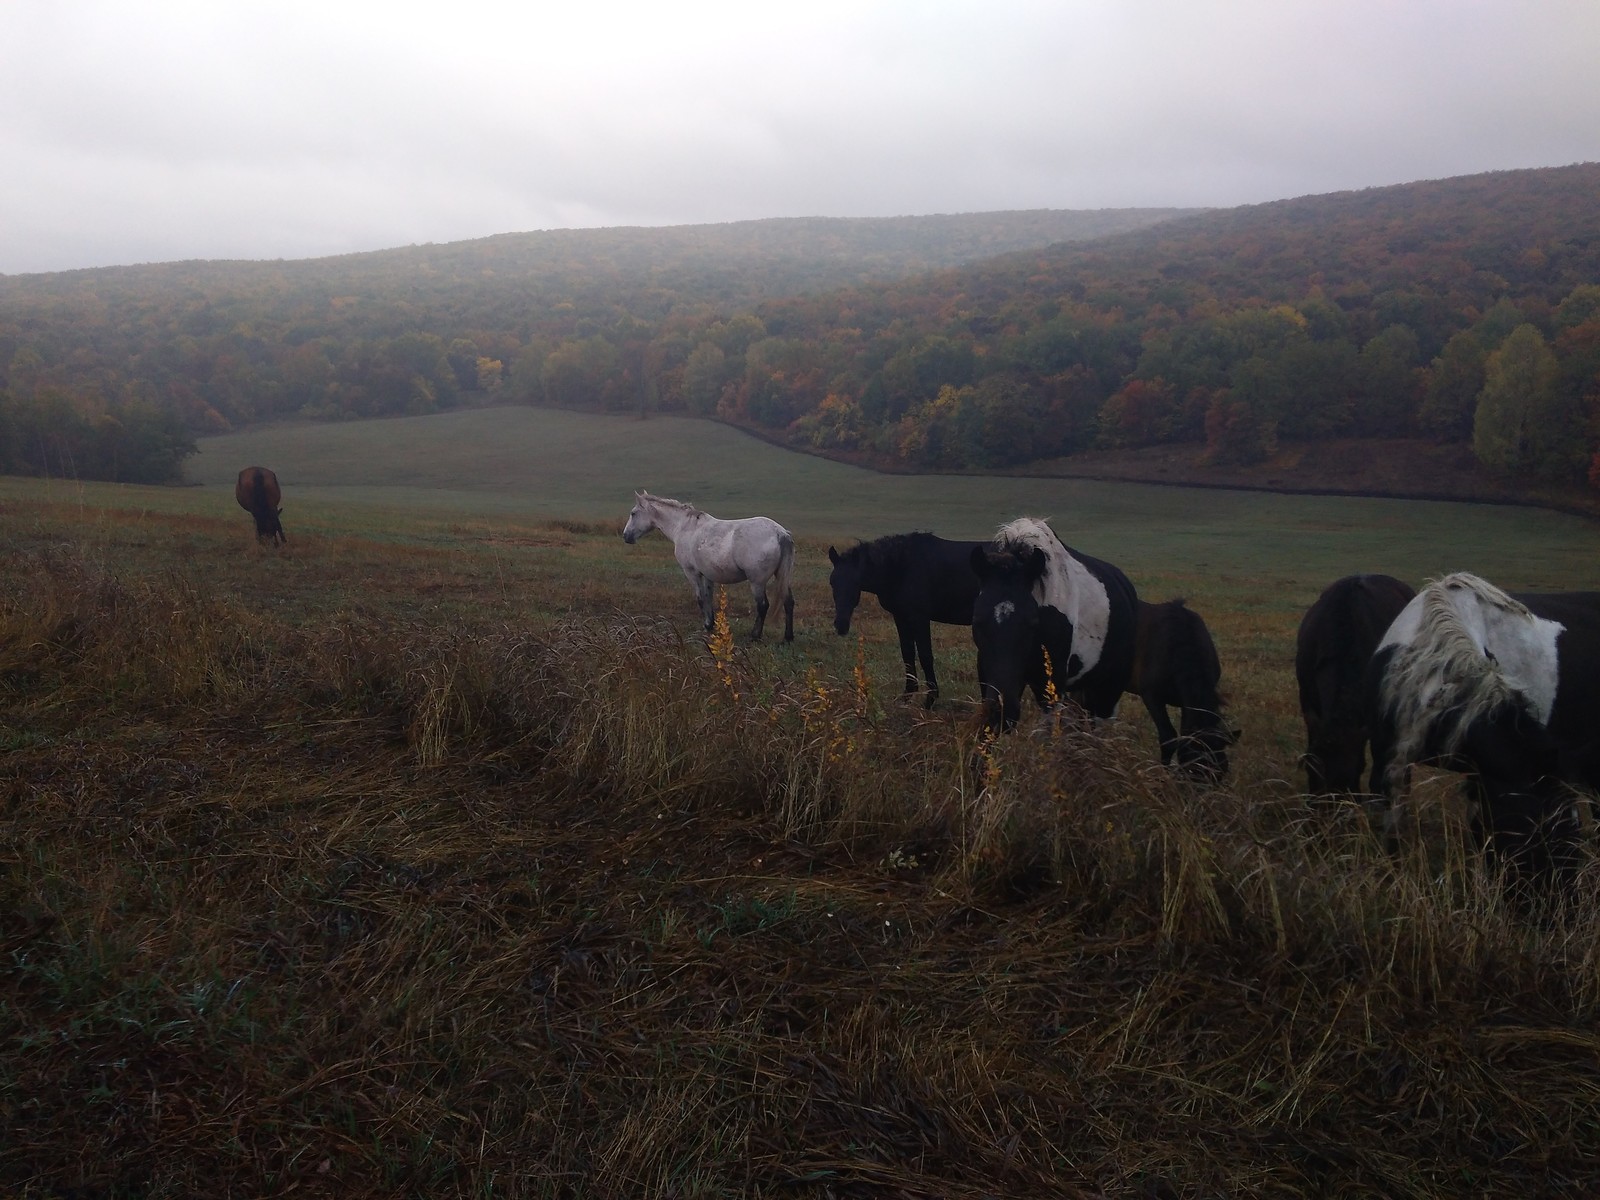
x: 1503, y: 688
x: 1043, y: 616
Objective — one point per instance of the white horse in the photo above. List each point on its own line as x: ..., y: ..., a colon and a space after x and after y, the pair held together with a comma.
x: 712, y: 551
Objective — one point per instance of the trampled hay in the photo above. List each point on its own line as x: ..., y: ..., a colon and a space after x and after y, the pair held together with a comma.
x: 397, y: 900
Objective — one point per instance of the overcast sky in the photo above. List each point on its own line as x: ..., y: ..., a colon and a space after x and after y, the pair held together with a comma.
x: 151, y: 130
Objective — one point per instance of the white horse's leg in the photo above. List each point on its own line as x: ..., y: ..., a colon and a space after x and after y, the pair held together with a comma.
x: 702, y: 596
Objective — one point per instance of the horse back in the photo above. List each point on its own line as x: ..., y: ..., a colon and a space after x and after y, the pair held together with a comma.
x: 1175, y: 659
x: 728, y: 551
x: 257, y: 489
x: 942, y: 582
x: 923, y: 577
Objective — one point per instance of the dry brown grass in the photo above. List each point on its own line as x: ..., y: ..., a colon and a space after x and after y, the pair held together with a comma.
x: 417, y: 898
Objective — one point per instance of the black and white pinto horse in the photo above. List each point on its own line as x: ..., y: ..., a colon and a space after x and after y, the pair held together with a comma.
x: 713, y: 551
x: 1506, y: 688
x: 918, y: 579
x: 1175, y: 665
x: 1335, y: 642
x: 1038, y: 597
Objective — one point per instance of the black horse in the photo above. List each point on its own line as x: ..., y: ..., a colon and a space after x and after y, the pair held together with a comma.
x: 918, y: 579
x: 1040, y: 602
x: 1176, y: 666
x: 1335, y: 643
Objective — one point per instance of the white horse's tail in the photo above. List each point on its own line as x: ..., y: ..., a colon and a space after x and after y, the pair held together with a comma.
x: 782, y: 576
x: 1442, y: 681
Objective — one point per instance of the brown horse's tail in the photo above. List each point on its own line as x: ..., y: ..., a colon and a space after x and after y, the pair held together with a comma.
x: 783, y: 576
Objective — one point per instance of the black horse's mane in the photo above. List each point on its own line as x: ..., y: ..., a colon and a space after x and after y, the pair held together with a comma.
x: 888, y: 552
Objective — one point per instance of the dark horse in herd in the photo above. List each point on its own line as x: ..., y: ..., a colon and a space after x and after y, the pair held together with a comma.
x: 1047, y: 614
x: 1030, y: 601
x: 259, y: 495
x: 1336, y: 640
x: 1504, y: 688
x: 919, y: 579
x: 1175, y: 665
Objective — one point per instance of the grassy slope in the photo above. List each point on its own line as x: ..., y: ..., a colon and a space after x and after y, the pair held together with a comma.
x: 399, y: 861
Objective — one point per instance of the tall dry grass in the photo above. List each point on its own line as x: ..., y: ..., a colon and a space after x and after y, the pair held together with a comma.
x: 387, y: 905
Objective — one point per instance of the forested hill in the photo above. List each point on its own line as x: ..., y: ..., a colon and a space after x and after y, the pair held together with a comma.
x: 1465, y: 311
x: 105, y: 372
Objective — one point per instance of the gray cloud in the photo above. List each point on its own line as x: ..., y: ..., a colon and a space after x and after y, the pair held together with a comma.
x: 174, y: 130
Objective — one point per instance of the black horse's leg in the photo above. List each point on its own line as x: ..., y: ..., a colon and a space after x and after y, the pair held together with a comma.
x: 788, y: 615
x: 924, y: 640
x: 908, y: 652
x: 1164, y: 731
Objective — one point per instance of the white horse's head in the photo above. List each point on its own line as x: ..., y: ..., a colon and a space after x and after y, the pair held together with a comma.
x: 642, y: 519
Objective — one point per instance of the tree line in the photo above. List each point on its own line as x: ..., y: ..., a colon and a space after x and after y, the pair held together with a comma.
x: 1463, y: 310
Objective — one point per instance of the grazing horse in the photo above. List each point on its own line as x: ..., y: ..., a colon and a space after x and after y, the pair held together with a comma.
x: 258, y: 494
x: 1335, y: 642
x: 713, y: 551
x: 1175, y: 665
x: 918, y: 579
x: 1039, y: 598
x: 1506, y: 688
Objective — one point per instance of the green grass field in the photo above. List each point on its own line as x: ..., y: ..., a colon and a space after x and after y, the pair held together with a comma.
x: 538, y: 464
x: 438, y: 854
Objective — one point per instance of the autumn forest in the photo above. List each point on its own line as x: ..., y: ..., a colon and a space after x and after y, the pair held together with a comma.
x: 1461, y: 311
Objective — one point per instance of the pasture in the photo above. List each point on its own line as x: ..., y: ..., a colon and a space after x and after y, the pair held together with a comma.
x: 437, y: 853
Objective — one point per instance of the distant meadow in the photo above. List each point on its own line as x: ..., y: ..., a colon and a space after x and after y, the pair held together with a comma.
x: 539, y: 463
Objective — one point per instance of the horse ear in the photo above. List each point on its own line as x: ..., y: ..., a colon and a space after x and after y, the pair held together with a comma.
x: 980, y: 562
x: 1234, y: 735
x: 833, y: 556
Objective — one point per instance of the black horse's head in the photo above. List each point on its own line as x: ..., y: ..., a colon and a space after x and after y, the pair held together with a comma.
x: 1528, y: 819
x: 1005, y: 628
x: 1336, y: 754
x: 1203, y: 741
x: 845, y: 580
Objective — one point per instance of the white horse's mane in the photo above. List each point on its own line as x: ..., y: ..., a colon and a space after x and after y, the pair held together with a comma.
x: 682, y: 506
x: 1036, y: 532
x: 1443, y: 678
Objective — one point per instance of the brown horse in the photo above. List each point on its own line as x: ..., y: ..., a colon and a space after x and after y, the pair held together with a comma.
x: 1176, y: 665
x: 258, y: 494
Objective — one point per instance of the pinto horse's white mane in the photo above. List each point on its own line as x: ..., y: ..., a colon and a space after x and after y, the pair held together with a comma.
x: 1056, y: 586
x: 1445, y: 674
